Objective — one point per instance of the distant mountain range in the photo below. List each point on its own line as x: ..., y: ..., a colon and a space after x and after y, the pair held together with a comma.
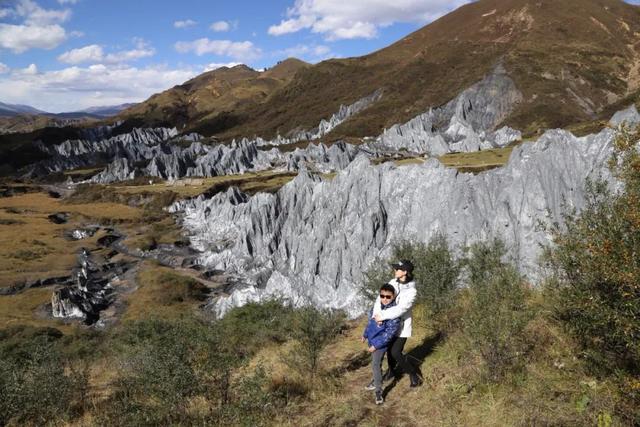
x: 10, y: 110
x: 24, y: 118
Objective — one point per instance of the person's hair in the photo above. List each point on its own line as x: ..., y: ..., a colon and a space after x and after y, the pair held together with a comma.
x: 389, y: 288
x: 409, y: 277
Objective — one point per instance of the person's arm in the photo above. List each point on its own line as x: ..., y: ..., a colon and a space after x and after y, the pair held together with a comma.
x: 366, y: 326
x: 376, y: 307
x: 391, y: 328
x: 405, y: 304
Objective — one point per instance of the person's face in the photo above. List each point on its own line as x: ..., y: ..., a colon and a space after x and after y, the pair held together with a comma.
x: 386, y: 297
x: 400, y: 274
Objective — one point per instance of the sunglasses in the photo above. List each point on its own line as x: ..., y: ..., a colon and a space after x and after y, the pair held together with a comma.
x: 383, y: 296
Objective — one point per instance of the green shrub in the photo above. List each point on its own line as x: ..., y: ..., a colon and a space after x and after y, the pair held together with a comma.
x: 436, y: 274
x: 36, y: 386
x: 313, y: 330
x: 254, y: 325
x: 439, y: 273
x: 595, y: 271
x: 375, y: 276
x: 497, y: 316
x: 166, y: 366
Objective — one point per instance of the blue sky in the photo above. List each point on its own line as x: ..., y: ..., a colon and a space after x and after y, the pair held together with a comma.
x: 65, y: 55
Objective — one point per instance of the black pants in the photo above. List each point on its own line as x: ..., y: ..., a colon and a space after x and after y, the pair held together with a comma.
x: 398, y: 362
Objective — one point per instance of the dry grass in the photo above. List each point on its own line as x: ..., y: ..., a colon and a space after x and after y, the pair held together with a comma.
x: 32, y: 247
x: 454, y: 393
x: 477, y: 161
x: 250, y: 182
x: 162, y: 293
x: 23, y: 308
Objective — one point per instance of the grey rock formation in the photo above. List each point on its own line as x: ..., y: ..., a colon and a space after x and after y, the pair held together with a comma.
x: 89, y: 292
x: 313, y: 239
x: 629, y: 116
x: 199, y: 160
x: 135, y: 146
x: 464, y: 124
x: 326, y: 126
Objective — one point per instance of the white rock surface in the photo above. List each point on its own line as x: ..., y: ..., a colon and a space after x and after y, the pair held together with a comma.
x: 319, y: 236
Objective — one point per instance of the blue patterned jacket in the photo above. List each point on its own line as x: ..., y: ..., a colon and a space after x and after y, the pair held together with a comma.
x: 381, y: 336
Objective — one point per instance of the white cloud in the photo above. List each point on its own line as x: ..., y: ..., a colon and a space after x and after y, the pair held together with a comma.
x: 215, y: 66
x: 75, y: 88
x: 20, y: 38
x: 95, y: 54
x: 91, y: 53
x: 313, y: 53
x: 68, y: 1
x: 340, y: 19
x: 4, y: 68
x: 245, y: 51
x: 220, y: 26
x: 142, y: 50
x: 35, y: 15
x: 31, y: 70
x: 40, y: 28
x: 184, y: 24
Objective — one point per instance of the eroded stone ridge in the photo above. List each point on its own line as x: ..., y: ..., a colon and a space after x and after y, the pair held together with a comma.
x: 466, y: 123
x: 312, y: 240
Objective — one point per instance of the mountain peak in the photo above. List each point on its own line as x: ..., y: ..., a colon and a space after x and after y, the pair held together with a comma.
x: 286, y: 69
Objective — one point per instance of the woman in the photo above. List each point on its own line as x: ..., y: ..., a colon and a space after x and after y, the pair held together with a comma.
x: 405, y: 297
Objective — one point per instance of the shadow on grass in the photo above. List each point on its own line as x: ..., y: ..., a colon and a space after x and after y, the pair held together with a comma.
x: 417, y: 355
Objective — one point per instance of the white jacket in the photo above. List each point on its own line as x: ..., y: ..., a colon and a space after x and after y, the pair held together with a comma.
x: 405, y: 297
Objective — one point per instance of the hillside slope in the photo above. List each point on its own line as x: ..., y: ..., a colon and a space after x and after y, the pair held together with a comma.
x: 212, y: 94
x: 570, y: 59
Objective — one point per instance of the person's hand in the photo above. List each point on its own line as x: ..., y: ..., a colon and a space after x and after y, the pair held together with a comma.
x: 372, y: 349
x: 378, y: 318
x: 362, y: 339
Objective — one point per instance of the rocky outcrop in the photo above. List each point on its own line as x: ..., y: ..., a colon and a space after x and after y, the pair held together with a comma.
x: 628, y: 116
x: 89, y: 292
x: 135, y: 146
x: 199, y: 160
x: 464, y: 124
x: 312, y: 240
x: 326, y: 126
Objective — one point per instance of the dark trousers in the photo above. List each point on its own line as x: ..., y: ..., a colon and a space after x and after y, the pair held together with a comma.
x: 398, y: 362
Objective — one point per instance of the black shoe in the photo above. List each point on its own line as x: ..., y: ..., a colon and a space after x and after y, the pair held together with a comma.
x: 379, y: 398
x: 370, y: 386
x: 388, y: 376
x: 415, y: 379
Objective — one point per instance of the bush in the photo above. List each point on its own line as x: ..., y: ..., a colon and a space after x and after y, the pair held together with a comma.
x: 436, y: 274
x: 313, y: 330
x: 595, y: 270
x: 497, y: 316
x: 254, y: 325
x: 176, y: 372
x: 36, y: 386
x: 439, y: 272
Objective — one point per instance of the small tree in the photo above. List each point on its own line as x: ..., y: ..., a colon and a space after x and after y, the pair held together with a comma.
x: 436, y: 274
x: 595, y: 266
x: 497, y: 316
x: 314, y: 330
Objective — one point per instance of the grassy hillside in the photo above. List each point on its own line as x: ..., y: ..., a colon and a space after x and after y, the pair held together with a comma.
x: 570, y: 59
x: 209, y: 97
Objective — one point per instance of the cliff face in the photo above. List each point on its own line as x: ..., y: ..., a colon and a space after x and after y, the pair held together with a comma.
x: 313, y: 239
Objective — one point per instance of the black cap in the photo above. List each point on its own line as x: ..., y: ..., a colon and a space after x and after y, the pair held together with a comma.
x: 403, y: 264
